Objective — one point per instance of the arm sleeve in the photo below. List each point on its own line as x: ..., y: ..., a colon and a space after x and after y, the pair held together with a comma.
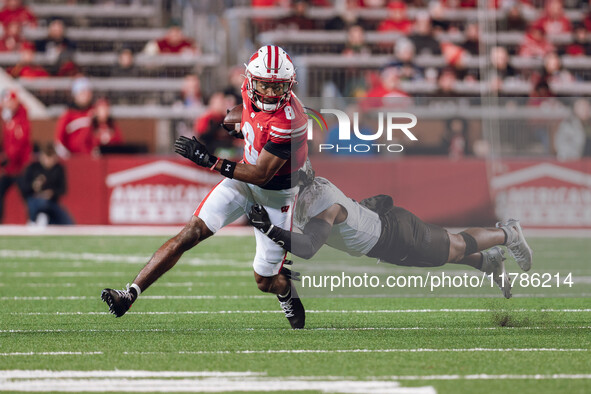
x: 283, y: 151
x: 304, y: 245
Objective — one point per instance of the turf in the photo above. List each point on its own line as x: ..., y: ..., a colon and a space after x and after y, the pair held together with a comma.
x: 49, y: 302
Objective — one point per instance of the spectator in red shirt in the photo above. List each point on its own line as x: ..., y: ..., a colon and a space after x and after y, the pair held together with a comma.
x: 12, y: 40
x: 553, y: 21
x: 580, y: 45
x: 454, y: 55
x: 397, y: 20
x: 298, y: 18
x: 73, y: 132
x: 104, y: 129
x: 389, y: 85
x: 15, y: 147
x: 264, y: 3
x: 459, y: 3
x: 535, y: 43
x: 173, y: 42
x: 15, y: 11
x: 25, y: 67
x: 372, y: 3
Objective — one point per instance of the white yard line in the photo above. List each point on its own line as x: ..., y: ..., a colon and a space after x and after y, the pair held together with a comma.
x: 250, y: 329
x: 44, y: 374
x: 145, y: 297
x: 84, y: 274
x: 20, y: 230
x: 50, y: 354
x: 186, y: 381
x: 108, y: 258
x: 310, y: 351
x: 90, y: 284
x: 331, y: 351
x: 211, y: 385
x: 343, y: 311
x: 496, y: 377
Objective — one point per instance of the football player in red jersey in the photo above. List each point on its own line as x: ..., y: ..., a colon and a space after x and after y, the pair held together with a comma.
x: 274, y: 127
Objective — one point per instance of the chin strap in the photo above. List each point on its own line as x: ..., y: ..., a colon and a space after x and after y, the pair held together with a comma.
x: 263, y: 106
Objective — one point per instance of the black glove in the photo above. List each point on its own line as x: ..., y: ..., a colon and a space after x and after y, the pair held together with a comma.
x: 194, y: 151
x: 259, y: 218
x: 233, y: 131
x: 289, y: 273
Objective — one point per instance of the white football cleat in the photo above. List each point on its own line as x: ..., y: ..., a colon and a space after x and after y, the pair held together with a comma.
x: 518, y: 247
x: 493, y: 264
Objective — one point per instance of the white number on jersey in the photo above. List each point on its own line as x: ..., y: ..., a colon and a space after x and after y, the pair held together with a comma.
x: 289, y: 112
x: 250, y: 152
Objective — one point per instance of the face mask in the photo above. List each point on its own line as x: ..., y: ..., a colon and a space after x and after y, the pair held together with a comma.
x: 6, y: 114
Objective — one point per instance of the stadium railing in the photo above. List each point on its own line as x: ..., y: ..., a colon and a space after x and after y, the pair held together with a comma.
x: 150, y: 13
x: 502, y: 38
x: 98, y: 33
x: 315, y: 71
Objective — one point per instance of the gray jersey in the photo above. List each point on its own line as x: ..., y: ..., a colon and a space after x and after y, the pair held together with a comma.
x: 356, y: 235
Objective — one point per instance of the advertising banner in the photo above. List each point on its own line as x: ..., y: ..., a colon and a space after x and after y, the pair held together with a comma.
x: 546, y: 194
x: 147, y: 191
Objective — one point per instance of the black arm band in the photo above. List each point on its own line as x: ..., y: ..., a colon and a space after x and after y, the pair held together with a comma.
x: 304, y: 245
x: 228, y: 168
x: 282, y: 151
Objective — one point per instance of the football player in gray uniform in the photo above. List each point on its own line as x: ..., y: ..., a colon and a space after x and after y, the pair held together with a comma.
x: 375, y: 227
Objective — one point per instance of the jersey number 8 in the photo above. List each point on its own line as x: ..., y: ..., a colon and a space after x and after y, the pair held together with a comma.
x: 250, y: 152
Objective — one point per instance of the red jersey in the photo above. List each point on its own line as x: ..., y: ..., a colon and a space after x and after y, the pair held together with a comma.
x: 21, y: 15
x: 74, y: 130
x: 284, y: 129
x: 28, y: 71
x: 575, y: 50
x: 16, y: 141
x: 553, y: 26
x: 13, y: 44
x: 165, y: 47
x: 535, y: 48
x: 107, y: 134
x: 403, y: 26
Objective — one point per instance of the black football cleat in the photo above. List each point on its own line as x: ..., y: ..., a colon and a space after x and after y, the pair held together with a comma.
x: 119, y: 301
x: 293, y: 308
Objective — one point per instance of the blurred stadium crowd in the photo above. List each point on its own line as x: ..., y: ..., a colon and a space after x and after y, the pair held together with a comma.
x: 181, y: 60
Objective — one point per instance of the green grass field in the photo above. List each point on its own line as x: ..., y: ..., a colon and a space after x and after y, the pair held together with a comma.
x: 207, y: 319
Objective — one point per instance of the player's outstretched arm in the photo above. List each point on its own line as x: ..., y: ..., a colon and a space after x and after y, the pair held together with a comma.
x: 305, y: 245
x: 259, y: 174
